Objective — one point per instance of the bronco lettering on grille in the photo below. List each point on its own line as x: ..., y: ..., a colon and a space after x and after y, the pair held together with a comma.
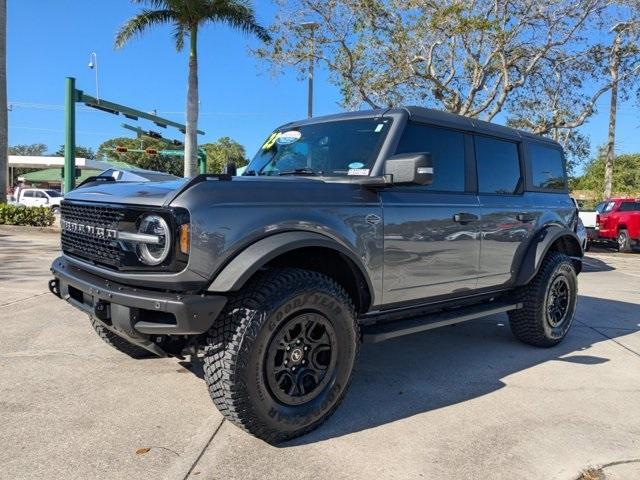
x: 91, y: 230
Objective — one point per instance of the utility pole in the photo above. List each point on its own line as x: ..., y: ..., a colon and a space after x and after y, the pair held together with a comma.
x: 4, y: 138
x: 311, y: 27
x: 613, y: 69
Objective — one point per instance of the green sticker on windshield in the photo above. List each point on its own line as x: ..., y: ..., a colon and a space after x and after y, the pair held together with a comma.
x: 270, y: 141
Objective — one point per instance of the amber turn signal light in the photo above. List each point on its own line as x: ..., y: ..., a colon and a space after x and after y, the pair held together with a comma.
x: 184, y: 238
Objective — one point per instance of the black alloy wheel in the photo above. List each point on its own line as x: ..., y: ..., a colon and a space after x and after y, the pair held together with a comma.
x: 558, y: 301
x: 301, y: 358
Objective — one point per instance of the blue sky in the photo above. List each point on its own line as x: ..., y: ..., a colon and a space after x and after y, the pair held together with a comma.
x: 239, y: 97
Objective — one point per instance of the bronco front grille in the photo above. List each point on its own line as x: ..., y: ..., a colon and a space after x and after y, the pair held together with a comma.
x: 90, y: 246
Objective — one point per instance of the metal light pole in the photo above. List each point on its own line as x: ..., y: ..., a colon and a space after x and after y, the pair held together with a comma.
x: 615, y: 64
x: 93, y: 65
x: 311, y: 27
x: 70, y: 136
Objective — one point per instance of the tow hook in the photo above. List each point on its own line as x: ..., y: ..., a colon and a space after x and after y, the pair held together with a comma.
x: 54, y: 287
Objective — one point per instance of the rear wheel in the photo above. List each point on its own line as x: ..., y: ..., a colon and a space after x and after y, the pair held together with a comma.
x: 549, y: 303
x: 279, y: 359
x: 624, y: 242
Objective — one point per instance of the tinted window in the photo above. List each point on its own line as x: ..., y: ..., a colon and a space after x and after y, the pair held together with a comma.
x: 498, y: 165
x: 40, y: 195
x: 629, y: 207
x: 29, y: 193
x: 53, y: 193
x: 546, y: 167
x: 447, y: 150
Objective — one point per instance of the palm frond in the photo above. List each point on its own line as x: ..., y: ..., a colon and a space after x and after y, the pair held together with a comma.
x: 157, y: 4
x: 237, y: 14
x: 179, y: 32
x: 145, y: 19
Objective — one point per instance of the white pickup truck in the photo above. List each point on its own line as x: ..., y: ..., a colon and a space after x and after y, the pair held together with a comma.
x: 589, y: 220
x: 39, y: 197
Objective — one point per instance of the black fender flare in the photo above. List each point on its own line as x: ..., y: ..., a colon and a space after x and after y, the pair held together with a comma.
x: 248, y: 261
x: 539, y: 246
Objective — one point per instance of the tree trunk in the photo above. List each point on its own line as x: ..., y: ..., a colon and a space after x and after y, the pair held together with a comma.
x: 191, y: 135
x: 4, y: 136
x: 608, y: 165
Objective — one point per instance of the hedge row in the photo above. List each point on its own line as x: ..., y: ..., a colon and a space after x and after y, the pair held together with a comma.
x: 22, y: 215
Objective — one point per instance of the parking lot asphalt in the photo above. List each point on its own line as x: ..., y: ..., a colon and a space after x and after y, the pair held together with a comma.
x: 461, y: 402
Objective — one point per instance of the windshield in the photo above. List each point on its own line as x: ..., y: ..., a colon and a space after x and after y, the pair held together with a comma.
x: 346, y: 147
x: 53, y: 193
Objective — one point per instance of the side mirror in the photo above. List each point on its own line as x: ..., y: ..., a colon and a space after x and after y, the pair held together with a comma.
x: 410, y: 169
x: 230, y: 169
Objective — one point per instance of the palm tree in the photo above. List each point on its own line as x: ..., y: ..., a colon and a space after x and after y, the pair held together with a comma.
x: 186, y: 17
x: 3, y: 102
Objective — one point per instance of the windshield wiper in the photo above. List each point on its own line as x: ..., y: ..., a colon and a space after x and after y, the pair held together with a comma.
x: 300, y: 171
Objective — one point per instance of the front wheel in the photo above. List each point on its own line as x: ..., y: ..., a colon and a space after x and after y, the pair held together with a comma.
x: 279, y: 359
x: 549, y: 303
x: 118, y: 342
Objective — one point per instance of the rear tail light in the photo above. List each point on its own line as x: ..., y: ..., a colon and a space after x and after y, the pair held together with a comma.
x: 598, y: 219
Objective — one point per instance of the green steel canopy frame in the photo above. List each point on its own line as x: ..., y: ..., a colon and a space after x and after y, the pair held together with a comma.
x: 73, y: 96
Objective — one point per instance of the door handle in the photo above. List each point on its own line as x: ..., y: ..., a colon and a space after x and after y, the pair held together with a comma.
x: 525, y: 217
x: 464, y: 217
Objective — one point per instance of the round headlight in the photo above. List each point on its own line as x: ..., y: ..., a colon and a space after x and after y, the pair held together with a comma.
x: 154, y: 253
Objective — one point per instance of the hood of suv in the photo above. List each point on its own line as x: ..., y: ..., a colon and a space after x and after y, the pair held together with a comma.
x: 131, y: 193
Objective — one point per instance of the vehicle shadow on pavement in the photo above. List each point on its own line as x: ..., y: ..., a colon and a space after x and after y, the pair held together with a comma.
x: 593, y: 264
x: 432, y: 370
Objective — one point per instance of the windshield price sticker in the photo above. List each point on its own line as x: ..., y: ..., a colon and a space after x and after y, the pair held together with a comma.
x: 358, y: 171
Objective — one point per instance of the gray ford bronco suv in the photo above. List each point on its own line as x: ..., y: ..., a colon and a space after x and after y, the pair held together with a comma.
x: 343, y: 229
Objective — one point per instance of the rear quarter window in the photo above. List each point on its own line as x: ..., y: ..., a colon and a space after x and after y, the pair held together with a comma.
x: 547, y: 168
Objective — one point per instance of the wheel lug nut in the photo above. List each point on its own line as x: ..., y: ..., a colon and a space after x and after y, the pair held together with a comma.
x: 293, y: 368
x: 306, y: 348
x: 288, y: 348
x: 304, y: 361
x: 298, y: 342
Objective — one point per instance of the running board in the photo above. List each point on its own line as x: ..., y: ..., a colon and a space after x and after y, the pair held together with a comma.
x: 386, y: 331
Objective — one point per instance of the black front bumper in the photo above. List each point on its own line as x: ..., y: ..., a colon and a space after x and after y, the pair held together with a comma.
x: 132, y: 311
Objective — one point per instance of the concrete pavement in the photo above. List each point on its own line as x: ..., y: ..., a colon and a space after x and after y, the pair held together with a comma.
x: 466, y: 401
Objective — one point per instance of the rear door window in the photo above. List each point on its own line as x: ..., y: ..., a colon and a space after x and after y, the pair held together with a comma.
x: 498, y: 165
x: 447, y: 151
x: 629, y: 207
x: 547, y: 170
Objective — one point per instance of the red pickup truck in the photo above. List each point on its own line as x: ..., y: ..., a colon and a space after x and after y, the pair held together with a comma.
x: 618, y: 220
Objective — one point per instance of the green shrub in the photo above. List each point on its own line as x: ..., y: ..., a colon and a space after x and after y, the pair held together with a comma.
x: 22, y: 215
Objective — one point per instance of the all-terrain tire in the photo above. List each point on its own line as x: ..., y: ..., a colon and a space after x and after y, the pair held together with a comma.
x: 624, y: 242
x: 118, y: 342
x: 238, y: 362
x: 537, y: 323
